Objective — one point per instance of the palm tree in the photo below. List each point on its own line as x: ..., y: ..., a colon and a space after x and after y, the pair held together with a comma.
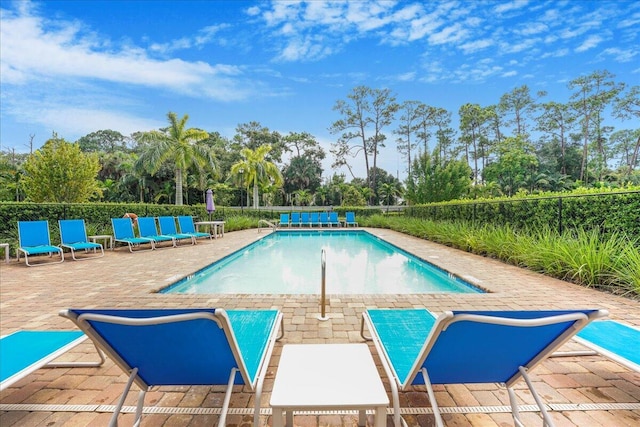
x: 181, y: 146
x: 254, y: 169
x: 389, y: 192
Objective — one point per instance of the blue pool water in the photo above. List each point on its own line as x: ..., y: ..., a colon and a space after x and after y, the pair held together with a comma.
x: 289, y: 262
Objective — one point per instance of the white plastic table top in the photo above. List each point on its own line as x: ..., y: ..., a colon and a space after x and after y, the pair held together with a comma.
x: 328, y: 377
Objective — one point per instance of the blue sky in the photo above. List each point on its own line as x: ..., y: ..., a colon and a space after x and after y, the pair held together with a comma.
x: 75, y: 67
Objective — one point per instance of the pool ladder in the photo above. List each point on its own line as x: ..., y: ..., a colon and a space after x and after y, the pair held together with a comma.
x: 323, y: 288
x: 266, y: 223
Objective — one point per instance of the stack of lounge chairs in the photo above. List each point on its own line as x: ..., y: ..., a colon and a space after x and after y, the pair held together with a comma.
x: 316, y: 219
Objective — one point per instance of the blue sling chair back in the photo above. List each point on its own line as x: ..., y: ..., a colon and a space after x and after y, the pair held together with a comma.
x: 462, y: 347
x: 188, y: 227
x: 148, y: 229
x: 73, y: 235
x: 168, y: 228
x: 123, y: 233
x: 174, y: 347
x: 34, y: 239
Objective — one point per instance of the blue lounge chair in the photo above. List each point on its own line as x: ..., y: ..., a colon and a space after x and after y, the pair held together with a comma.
x: 324, y: 219
x: 295, y: 219
x: 174, y: 347
x: 314, y: 219
x: 23, y: 352
x: 147, y: 229
x: 305, y: 219
x: 333, y: 219
x: 73, y: 235
x: 188, y: 227
x: 168, y: 228
x: 123, y: 233
x: 34, y: 239
x: 350, y: 219
x: 468, y: 347
x: 284, y: 220
x: 614, y: 340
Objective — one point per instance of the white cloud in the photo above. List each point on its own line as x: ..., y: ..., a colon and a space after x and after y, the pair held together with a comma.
x: 589, y: 43
x: 531, y: 28
x: 513, y: 5
x: 510, y: 74
x: 620, y: 55
x: 451, y: 34
x: 556, y: 53
x: 34, y: 49
x: 407, y: 77
x: 474, y: 46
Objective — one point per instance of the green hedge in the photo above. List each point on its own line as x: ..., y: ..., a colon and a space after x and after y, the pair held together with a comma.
x: 98, y: 216
x: 605, y: 212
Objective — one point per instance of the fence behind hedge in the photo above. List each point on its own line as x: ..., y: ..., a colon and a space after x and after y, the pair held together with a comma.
x: 606, y: 212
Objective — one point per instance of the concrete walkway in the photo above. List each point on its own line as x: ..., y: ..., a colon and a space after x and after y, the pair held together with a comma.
x: 581, y: 391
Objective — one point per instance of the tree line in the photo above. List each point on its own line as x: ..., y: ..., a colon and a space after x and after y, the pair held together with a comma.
x: 522, y: 143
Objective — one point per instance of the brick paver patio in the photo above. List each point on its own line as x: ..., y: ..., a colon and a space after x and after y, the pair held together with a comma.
x: 581, y: 391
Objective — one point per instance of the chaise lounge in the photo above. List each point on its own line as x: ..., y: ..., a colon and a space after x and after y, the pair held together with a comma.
x: 176, y: 347
x: 34, y: 239
x: 468, y: 347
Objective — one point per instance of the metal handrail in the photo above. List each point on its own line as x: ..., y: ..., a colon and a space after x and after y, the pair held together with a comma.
x: 323, y: 287
x: 273, y: 226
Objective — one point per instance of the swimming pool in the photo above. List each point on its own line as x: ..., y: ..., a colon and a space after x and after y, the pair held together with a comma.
x: 289, y: 262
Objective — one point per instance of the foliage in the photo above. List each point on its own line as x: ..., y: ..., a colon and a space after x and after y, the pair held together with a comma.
x: 431, y: 181
x: 178, y: 145
x: 255, y: 170
x: 587, y: 258
x: 363, y: 116
x: 61, y: 172
x: 352, y: 197
x: 604, y: 210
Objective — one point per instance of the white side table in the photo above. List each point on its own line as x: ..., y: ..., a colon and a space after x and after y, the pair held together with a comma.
x: 328, y: 377
x: 6, y: 251
x: 215, y: 225
x: 107, y: 238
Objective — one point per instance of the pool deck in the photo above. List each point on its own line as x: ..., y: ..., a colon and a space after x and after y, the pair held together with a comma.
x: 582, y: 391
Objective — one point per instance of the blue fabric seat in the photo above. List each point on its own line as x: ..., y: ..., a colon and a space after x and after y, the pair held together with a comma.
x: 333, y: 219
x: 468, y: 347
x: 188, y: 227
x: 123, y: 233
x: 350, y: 219
x: 23, y: 352
x: 73, y: 235
x: 314, y: 219
x: 305, y: 219
x: 190, y: 347
x: 615, y: 340
x: 168, y: 228
x: 284, y: 220
x: 324, y: 219
x: 612, y: 339
x: 34, y: 239
x: 147, y: 229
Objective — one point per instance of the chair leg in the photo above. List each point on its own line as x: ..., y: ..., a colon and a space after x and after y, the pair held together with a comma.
x: 543, y: 410
x: 432, y: 398
x: 227, y: 398
x: 139, y: 407
x: 116, y: 412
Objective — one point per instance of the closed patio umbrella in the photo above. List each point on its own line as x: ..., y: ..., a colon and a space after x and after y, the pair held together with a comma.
x: 211, y: 207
